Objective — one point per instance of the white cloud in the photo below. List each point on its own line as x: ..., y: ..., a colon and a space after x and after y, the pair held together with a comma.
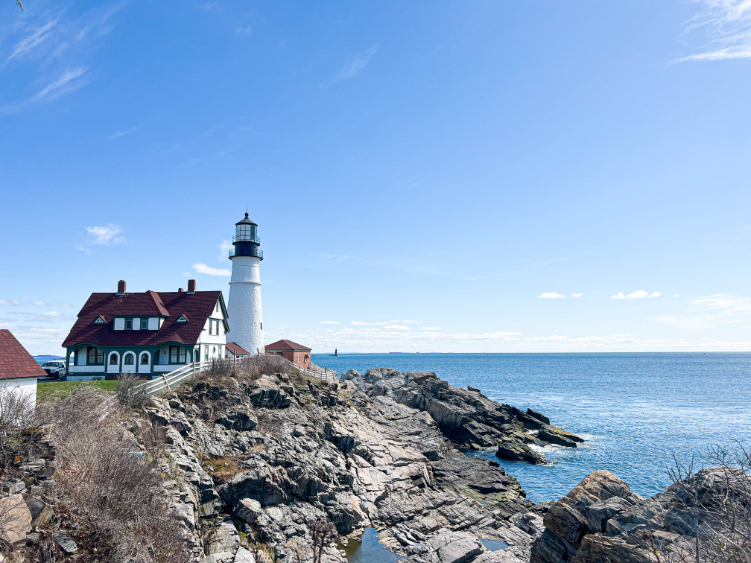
x: 106, y: 234
x: 59, y: 304
x: 123, y: 133
x: 727, y: 26
x: 656, y: 294
x: 430, y: 328
x: 576, y: 294
x: 224, y: 248
x: 355, y: 64
x: 396, y: 327
x: 209, y: 271
x: 329, y: 323
x: 66, y: 83
x: 84, y: 249
x: 244, y: 30
x: 40, y: 303
x: 9, y: 302
x: 53, y: 314
x: 618, y: 295
x: 638, y: 294
x: 711, y: 311
x: 550, y: 295
x: 31, y: 41
x: 677, y: 295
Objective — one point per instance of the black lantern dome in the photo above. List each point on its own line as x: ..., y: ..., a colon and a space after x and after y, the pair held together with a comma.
x: 246, y: 240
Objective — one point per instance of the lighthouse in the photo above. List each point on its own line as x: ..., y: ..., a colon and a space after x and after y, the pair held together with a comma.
x: 244, y: 309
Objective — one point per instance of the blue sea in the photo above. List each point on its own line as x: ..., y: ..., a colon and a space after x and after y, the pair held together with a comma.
x: 636, y: 411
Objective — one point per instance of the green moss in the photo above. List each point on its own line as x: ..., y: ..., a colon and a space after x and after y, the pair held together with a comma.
x: 61, y: 389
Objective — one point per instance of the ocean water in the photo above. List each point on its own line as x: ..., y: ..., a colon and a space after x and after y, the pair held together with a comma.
x: 636, y: 411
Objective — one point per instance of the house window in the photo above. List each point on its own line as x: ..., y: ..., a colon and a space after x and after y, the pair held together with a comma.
x: 206, y: 354
x: 129, y: 359
x: 144, y: 359
x: 128, y: 324
x: 176, y: 355
x: 144, y: 324
x: 113, y: 359
x: 96, y: 357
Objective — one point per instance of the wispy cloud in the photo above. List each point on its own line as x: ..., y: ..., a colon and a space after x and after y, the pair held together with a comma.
x: 201, y: 268
x: 106, y: 234
x: 329, y: 323
x: 638, y: 294
x: 576, y: 294
x: 711, y: 311
x: 550, y: 295
x: 727, y: 26
x: 28, y: 43
x: 354, y: 65
x: 49, y: 52
x: 66, y: 83
x: 224, y: 248
x: 84, y: 249
x: 40, y: 303
x: 124, y: 132
x: 52, y: 314
x: 9, y: 302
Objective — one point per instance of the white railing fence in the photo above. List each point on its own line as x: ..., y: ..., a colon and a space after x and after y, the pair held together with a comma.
x: 168, y: 381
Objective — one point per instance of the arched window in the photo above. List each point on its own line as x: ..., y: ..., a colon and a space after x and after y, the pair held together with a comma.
x: 114, y: 359
x: 144, y: 359
x: 129, y: 359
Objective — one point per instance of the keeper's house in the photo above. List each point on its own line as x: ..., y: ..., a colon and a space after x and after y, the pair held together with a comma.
x: 19, y: 371
x: 294, y: 352
x: 146, y: 333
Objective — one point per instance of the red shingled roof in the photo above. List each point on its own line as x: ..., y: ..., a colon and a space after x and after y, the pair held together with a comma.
x: 286, y: 345
x: 235, y: 349
x: 197, y: 307
x: 15, y: 361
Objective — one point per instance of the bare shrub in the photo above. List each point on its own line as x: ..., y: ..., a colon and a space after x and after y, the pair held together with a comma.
x: 130, y: 391
x: 712, y: 510
x: 255, y: 366
x: 103, y: 478
x: 16, y: 416
x: 324, y: 533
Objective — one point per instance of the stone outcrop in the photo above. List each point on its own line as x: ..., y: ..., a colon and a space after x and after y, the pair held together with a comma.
x: 601, y: 519
x: 260, y: 461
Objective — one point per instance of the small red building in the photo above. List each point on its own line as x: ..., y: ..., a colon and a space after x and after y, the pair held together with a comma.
x: 294, y: 352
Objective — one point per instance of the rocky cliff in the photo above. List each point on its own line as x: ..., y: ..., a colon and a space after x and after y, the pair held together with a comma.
x: 252, y: 464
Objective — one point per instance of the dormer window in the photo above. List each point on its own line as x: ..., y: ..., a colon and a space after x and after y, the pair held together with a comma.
x: 182, y: 319
x: 128, y: 324
x: 144, y: 324
x: 99, y: 320
x: 119, y: 323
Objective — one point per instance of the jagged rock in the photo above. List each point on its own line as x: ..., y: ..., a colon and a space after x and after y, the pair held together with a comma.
x: 557, y: 436
x: 515, y: 451
x: 379, y: 450
x: 65, y: 542
x: 455, y: 547
x: 16, y: 519
x: 538, y: 416
x: 244, y: 556
x: 41, y: 512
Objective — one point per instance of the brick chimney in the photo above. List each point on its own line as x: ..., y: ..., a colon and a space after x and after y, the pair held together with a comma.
x: 180, y: 290
x: 191, y: 287
x: 121, y: 287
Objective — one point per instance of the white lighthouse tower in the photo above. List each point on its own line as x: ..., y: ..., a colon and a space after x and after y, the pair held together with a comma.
x: 244, y: 309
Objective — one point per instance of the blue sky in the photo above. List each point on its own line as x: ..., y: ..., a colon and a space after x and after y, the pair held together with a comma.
x: 427, y: 176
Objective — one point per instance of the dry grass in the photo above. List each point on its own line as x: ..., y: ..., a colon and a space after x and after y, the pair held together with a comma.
x: 221, y: 468
x: 113, y: 493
